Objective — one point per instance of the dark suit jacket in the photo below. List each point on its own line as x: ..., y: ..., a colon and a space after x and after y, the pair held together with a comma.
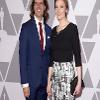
x: 33, y: 64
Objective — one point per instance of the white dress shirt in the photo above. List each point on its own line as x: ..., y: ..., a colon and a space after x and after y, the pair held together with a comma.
x: 43, y: 28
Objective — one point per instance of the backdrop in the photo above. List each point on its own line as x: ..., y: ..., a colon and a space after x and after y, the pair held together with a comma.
x: 84, y: 13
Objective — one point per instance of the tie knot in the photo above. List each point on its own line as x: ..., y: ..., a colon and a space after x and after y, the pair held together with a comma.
x: 40, y: 23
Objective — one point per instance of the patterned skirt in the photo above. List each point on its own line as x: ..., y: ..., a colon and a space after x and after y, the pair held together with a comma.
x: 62, y: 75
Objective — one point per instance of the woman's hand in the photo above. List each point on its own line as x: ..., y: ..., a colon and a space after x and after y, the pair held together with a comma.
x: 49, y: 90
x: 78, y: 90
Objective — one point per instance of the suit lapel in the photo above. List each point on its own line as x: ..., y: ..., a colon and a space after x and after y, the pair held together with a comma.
x: 35, y: 30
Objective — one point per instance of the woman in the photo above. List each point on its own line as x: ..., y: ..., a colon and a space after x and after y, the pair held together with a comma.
x: 64, y: 45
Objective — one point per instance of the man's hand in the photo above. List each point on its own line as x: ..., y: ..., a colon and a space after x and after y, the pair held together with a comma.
x: 26, y: 91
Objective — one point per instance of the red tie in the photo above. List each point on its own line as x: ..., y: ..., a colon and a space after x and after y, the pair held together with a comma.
x: 41, y: 36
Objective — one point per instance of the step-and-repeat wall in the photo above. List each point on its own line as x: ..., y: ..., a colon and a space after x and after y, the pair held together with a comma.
x: 84, y: 13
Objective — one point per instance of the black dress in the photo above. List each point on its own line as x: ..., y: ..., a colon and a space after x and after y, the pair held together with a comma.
x: 64, y: 45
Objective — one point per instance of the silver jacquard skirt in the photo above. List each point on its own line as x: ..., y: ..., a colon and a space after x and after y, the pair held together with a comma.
x: 62, y: 75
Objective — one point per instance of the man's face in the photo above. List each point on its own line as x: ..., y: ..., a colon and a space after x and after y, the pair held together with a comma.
x: 39, y: 8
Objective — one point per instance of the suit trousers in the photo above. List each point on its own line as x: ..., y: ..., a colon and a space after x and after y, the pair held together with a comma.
x: 37, y: 93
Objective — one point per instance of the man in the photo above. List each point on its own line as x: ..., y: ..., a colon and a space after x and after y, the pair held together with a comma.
x: 34, y: 49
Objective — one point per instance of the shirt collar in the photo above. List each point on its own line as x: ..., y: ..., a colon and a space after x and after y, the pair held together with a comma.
x: 37, y: 21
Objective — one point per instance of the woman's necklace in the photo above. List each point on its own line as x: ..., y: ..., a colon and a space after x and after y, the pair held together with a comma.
x: 59, y: 28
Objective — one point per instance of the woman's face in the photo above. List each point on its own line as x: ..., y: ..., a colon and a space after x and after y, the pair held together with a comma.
x: 60, y: 9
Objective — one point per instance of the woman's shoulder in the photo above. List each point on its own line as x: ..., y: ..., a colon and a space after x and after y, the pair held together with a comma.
x: 54, y: 28
x: 73, y: 25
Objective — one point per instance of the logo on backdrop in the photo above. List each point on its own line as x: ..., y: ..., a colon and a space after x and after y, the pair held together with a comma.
x: 7, y: 42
